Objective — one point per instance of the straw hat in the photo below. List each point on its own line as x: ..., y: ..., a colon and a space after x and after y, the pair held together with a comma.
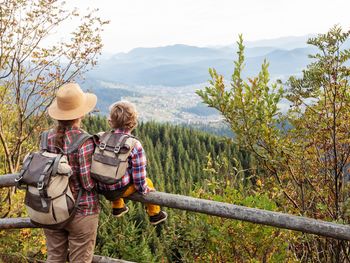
x: 71, y: 103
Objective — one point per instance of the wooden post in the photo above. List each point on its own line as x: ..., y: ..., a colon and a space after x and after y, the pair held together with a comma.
x: 231, y: 211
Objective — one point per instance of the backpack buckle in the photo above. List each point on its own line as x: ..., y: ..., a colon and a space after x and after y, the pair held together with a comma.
x: 102, y: 146
x: 19, y: 178
x: 40, y: 186
x: 117, y: 149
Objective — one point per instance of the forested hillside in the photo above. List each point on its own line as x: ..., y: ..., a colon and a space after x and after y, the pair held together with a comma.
x: 184, y: 161
x: 177, y: 156
x: 190, y: 162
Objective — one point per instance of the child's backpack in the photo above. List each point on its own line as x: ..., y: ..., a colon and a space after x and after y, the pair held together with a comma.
x: 110, y: 159
x: 45, y: 176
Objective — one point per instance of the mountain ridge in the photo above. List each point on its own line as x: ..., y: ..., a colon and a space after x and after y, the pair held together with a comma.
x: 179, y: 64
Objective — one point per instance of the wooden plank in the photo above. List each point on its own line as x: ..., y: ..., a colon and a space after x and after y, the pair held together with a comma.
x: 103, y: 259
x: 7, y: 180
x: 20, y: 222
x: 254, y: 215
x: 95, y: 259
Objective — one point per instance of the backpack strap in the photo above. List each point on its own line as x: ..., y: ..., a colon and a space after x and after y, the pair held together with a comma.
x: 42, y: 182
x: 104, y: 140
x: 97, y: 138
x: 25, y: 165
x: 79, y: 140
x: 121, y: 142
x: 43, y: 140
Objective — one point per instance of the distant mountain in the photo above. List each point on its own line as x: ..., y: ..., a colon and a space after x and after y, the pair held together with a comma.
x: 180, y: 65
x: 170, y: 53
x: 162, y: 81
x: 153, y: 70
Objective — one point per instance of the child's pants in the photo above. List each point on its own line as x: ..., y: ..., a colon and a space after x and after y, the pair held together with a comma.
x: 150, y: 208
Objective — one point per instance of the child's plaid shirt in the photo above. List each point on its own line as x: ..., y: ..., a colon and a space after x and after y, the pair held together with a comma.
x: 135, y: 173
x: 80, y: 161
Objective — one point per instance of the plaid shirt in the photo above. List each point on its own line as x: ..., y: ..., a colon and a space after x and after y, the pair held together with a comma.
x: 135, y: 173
x: 80, y: 162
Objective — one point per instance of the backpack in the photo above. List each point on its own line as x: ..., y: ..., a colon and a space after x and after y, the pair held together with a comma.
x: 110, y: 159
x: 45, y: 177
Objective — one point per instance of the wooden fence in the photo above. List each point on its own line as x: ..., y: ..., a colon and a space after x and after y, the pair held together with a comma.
x: 254, y: 215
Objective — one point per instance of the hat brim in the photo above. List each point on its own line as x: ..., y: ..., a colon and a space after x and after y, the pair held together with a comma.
x: 89, y: 103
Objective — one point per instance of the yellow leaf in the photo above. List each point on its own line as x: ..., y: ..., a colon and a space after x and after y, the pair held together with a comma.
x: 258, y: 183
x: 43, y: 250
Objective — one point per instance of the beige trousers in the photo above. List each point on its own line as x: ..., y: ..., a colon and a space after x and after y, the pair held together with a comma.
x: 79, y: 236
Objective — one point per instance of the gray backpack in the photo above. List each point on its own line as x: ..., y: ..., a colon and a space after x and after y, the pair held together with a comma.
x: 45, y: 177
x: 110, y: 159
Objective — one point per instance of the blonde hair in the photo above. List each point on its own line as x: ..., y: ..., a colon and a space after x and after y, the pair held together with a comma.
x: 123, y: 115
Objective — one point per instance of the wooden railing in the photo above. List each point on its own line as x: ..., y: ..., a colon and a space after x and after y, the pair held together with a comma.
x: 254, y: 215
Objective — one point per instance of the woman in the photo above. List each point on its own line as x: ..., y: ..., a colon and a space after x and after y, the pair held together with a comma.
x: 79, y: 235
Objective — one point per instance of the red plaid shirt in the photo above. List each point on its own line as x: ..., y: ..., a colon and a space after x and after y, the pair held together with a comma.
x: 80, y: 161
x: 136, y: 170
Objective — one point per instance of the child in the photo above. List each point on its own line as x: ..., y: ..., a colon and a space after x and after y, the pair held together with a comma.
x: 123, y: 119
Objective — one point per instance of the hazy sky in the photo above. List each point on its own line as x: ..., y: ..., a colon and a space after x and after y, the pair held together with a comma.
x: 149, y: 23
